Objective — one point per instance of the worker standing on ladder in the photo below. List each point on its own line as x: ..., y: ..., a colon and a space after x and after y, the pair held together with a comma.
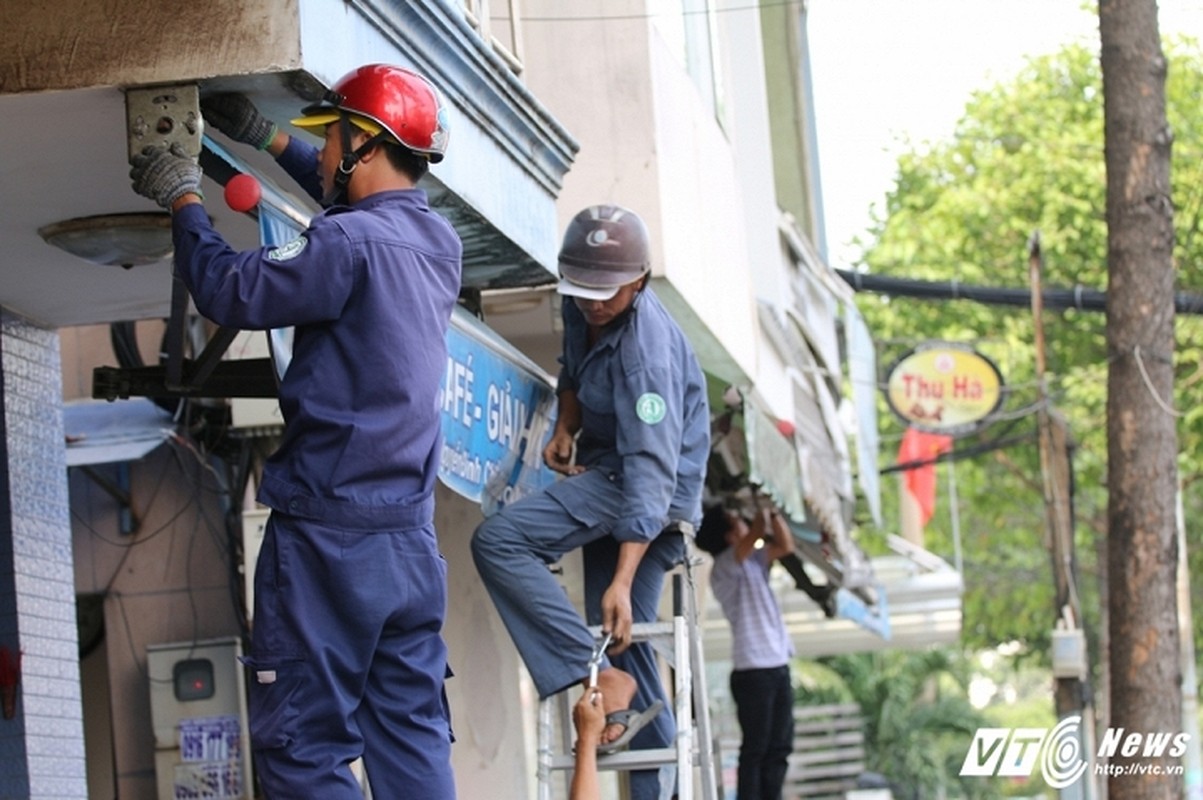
x: 633, y: 408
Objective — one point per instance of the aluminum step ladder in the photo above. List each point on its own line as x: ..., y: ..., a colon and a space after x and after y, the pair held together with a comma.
x: 679, y: 642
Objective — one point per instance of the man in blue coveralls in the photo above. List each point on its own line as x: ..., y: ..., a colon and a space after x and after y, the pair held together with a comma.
x: 347, y: 657
x: 632, y: 403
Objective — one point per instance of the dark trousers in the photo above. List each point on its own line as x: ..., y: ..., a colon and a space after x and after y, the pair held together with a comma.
x: 601, y: 559
x: 347, y: 659
x: 764, y: 704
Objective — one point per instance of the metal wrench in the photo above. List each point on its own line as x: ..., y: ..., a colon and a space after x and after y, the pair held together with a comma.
x: 595, y: 660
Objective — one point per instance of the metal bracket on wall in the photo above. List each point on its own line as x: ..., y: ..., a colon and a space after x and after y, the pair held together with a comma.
x: 163, y: 116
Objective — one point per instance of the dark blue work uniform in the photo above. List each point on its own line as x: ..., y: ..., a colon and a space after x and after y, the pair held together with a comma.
x: 347, y: 657
x: 645, y: 438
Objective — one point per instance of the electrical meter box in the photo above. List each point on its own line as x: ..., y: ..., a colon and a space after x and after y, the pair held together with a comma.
x: 198, y: 709
x: 1069, y: 653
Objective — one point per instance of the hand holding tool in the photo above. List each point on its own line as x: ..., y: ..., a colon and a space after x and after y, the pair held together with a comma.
x: 595, y: 661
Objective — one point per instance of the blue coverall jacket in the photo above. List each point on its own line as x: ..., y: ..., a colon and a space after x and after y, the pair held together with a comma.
x: 645, y: 439
x: 347, y: 656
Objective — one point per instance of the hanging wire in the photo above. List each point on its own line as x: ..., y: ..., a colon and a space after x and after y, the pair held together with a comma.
x: 1140, y: 362
x: 139, y: 537
x: 180, y: 445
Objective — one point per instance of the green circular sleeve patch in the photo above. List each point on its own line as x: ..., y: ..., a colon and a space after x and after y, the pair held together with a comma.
x: 650, y: 408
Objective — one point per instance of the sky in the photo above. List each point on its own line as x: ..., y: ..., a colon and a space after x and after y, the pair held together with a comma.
x: 883, y: 69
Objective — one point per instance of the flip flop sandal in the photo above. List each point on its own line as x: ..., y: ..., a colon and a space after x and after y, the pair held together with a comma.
x: 633, y: 721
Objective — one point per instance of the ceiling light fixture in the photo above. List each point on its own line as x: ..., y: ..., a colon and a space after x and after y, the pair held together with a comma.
x: 125, y: 240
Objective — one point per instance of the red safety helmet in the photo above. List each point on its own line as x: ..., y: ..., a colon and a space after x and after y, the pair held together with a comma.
x: 384, y: 98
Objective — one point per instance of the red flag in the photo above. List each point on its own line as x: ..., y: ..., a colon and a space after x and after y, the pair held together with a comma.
x: 920, y: 445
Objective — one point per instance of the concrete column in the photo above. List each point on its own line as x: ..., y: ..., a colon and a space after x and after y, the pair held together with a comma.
x: 42, y: 745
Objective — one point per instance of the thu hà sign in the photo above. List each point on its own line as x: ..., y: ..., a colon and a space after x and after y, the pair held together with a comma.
x: 944, y: 387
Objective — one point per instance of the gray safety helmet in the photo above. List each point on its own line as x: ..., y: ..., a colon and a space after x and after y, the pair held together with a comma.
x: 605, y: 248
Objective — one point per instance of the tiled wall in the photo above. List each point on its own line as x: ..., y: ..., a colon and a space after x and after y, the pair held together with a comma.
x: 42, y: 748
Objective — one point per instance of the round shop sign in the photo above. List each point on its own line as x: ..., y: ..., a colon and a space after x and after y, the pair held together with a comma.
x: 944, y: 388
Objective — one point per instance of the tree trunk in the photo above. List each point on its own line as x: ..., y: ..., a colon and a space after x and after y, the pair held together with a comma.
x: 1142, y: 441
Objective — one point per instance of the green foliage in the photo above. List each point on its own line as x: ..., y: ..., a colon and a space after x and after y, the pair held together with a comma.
x: 918, y: 719
x: 1027, y: 157
x: 1020, y: 700
x: 818, y: 684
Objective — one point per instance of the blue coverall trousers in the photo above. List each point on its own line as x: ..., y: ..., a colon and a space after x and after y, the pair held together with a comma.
x: 513, y: 550
x: 348, y: 660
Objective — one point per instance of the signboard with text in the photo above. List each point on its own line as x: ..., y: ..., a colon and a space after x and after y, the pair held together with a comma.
x: 944, y: 387
x: 497, y: 411
x: 497, y: 405
x: 210, y: 766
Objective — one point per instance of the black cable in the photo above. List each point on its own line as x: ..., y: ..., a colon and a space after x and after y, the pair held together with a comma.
x: 962, y: 453
x: 240, y: 475
x: 1054, y: 299
x: 124, y: 339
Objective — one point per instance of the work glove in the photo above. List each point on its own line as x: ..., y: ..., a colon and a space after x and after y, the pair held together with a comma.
x: 165, y: 175
x: 236, y: 117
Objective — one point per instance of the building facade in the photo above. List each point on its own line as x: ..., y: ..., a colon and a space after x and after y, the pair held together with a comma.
x: 125, y: 536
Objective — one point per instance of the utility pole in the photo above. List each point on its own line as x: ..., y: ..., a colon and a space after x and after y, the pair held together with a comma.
x: 1069, y: 641
x: 1192, y: 761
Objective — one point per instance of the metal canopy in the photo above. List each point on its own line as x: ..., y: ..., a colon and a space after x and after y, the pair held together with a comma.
x: 108, y: 433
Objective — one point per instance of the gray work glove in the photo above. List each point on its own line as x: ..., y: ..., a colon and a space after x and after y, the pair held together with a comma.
x: 237, y: 117
x: 165, y: 175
